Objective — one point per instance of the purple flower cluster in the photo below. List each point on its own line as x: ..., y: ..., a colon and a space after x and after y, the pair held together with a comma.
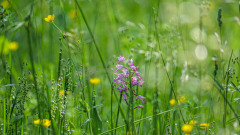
x: 124, y: 69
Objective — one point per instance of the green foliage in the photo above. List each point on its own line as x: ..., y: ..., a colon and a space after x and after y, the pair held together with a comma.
x: 186, y: 51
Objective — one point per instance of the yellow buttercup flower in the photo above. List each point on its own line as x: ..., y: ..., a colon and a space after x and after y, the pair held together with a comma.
x: 46, y: 122
x: 182, y: 99
x: 61, y: 92
x: 95, y: 81
x: 13, y: 46
x: 187, y: 128
x: 192, y: 122
x: 36, y: 122
x: 173, y: 102
x: 5, y: 3
x: 204, y: 126
x: 50, y: 18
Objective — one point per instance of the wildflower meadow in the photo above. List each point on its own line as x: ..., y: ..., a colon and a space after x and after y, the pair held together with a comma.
x: 119, y: 67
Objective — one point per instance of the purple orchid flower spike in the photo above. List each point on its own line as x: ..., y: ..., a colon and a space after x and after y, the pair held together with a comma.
x: 140, y: 83
x: 119, y: 67
x: 124, y: 97
x: 137, y: 73
x: 140, y: 106
x: 134, y: 68
x: 134, y: 80
x: 131, y: 62
x: 123, y: 71
x: 121, y: 59
x: 121, y: 89
x: 141, y: 99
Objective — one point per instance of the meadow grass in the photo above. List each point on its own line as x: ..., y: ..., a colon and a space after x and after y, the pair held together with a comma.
x: 78, y: 66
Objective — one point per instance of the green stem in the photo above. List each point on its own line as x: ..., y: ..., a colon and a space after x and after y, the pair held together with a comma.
x: 112, y: 111
x: 4, y: 116
x: 33, y: 72
x: 136, y: 121
x: 234, y: 112
x: 226, y: 91
x: 59, y: 63
x: 164, y: 65
x: 118, y: 112
x: 57, y: 28
x: 94, y: 41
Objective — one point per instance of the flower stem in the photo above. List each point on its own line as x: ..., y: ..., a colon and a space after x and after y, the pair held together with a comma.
x: 57, y: 28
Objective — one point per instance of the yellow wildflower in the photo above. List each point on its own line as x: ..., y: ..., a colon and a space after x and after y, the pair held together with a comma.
x: 182, y: 99
x: 187, y: 128
x: 173, y: 102
x: 5, y: 3
x: 95, y: 81
x: 204, y: 126
x: 46, y: 122
x: 61, y: 92
x: 36, y: 122
x: 192, y: 122
x: 13, y: 46
x: 50, y: 18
